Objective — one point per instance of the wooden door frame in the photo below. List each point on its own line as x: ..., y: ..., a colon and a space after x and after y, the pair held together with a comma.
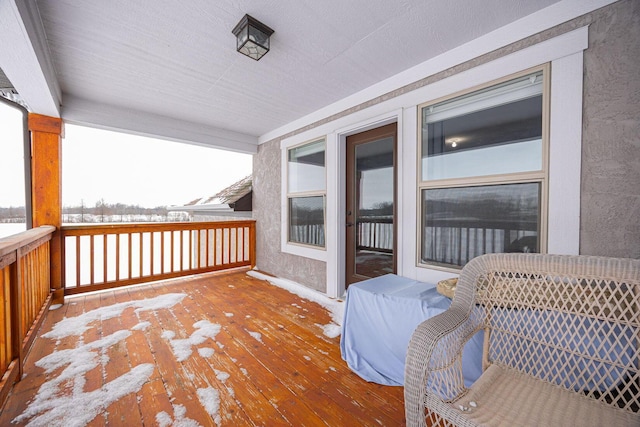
x: 383, y: 131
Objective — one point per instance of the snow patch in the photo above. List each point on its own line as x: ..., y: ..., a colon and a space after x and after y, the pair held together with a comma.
x: 163, y: 419
x: 210, y: 400
x: 222, y: 376
x: 256, y: 335
x: 51, y: 407
x: 141, y: 326
x: 229, y: 314
x: 335, y: 307
x: 332, y: 330
x: 80, y: 324
x: 54, y: 307
x: 179, y: 418
x: 206, y: 352
x: 168, y: 335
x: 182, y: 347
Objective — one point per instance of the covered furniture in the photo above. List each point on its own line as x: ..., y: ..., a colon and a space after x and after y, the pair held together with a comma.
x: 380, y: 316
x: 560, y: 345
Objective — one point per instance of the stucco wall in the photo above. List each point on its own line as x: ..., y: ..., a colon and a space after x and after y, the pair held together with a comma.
x: 610, y: 203
x: 610, y: 199
x: 266, y: 210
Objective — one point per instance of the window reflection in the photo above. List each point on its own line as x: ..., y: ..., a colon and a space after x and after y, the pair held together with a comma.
x: 306, y: 168
x: 374, y: 217
x: 462, y: 223
x: 306, y: 192
x: 497, y: 130
x: 306, y: 220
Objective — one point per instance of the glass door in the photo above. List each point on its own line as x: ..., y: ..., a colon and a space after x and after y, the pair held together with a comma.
x: 371, y: 204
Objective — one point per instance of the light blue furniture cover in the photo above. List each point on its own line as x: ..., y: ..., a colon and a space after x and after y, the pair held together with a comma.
x: 380, y: 317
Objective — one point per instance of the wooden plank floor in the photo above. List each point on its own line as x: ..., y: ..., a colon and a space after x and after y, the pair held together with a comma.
x: 263, y: 362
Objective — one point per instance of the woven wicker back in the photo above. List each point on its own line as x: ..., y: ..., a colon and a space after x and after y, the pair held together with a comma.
x: 571, y: 321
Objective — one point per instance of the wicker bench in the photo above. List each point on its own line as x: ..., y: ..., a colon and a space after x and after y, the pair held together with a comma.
x: 561, y: 345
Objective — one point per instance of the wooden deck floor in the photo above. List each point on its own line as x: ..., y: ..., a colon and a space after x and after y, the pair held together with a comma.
x: 266, y: 364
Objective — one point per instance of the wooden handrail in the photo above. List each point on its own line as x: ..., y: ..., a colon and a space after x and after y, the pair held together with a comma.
x: 12, y: 243
x: 111, y: 255
x: 25, y: 294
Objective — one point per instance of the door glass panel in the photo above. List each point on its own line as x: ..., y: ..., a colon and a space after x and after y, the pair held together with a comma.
x: 374, y: 187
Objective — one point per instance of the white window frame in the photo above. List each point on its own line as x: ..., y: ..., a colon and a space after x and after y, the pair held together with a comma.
x: 564, y: 52
x: 533, y: 176
x: 296, y: 248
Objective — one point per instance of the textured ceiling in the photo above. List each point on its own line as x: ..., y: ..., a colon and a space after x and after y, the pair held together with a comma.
x: 178, y: 60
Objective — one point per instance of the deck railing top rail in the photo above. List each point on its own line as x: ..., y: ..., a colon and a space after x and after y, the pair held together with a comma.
x: 12, y: 243
x: 101, y: 256
x: 137, y: 227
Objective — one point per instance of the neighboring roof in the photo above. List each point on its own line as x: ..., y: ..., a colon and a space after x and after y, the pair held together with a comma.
x: 222, y: 202
x: 228, y: 196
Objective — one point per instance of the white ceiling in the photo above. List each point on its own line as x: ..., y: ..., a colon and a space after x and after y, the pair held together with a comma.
x: 131, y: 64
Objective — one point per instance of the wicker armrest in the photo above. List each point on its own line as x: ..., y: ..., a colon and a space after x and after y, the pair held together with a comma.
x: 433, y: 366
x: 559, y: 327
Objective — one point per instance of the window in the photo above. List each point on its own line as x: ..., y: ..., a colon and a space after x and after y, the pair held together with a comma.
x: 483, y: 172
x: 306, y: 193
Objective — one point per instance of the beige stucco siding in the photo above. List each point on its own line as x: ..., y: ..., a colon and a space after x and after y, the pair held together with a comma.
x: 610, y: 182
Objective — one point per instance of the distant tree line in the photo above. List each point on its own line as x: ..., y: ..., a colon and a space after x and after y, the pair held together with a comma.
x: 100, y: 212
x: 13, y: 214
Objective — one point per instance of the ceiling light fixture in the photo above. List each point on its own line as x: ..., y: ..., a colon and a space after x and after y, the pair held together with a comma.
x: 453, y: 142
x: 253, y: 37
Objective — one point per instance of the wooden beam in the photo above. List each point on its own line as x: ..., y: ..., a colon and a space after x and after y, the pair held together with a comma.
x: 47, y: 124
x: 46, y: 170
x: 83, y: 112
x: 25, y: 57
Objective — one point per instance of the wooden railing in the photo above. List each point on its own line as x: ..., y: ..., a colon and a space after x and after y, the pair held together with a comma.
x: 106, y: 256
x: 458, y: 244
x: 375, y: 233
x: 308, y: 234
x: 25, y: 294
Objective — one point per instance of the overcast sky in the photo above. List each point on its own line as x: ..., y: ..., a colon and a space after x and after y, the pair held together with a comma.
x: 121, y: 168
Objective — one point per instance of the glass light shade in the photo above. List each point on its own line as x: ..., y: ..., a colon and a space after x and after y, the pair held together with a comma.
x: 252, y: 37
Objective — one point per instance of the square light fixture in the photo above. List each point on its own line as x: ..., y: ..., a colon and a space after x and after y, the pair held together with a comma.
x: 253, y: 37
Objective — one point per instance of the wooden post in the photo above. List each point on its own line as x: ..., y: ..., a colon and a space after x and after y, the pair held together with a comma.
x: 252, y: 244
x: 46, y: 169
